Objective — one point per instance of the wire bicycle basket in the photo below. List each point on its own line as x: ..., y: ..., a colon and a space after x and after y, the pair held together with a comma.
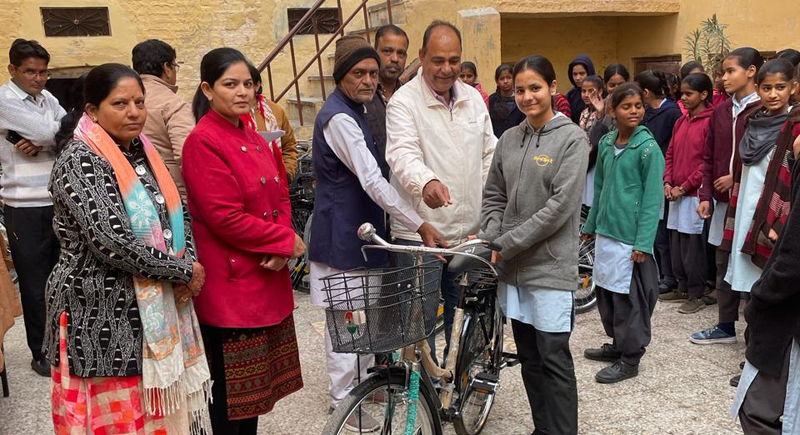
x: 381, y: 310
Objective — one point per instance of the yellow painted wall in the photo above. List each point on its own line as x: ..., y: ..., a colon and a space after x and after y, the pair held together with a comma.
x: 193, y: 27
x: 560, y: 40
x: 770, y: 25
x: 765, y: 25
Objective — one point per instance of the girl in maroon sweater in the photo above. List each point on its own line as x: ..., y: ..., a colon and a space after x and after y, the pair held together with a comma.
x: 682, y: 179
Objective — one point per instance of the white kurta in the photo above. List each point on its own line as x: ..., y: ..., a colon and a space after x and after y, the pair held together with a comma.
x: 613, y: 268
x: 683, y: 216
x: 588, y: 191
x: 717, y: 226
x: 742, y: 272
x: 548, y: 310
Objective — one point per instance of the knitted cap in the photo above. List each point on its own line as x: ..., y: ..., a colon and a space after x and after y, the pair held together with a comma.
x: 351, y: 50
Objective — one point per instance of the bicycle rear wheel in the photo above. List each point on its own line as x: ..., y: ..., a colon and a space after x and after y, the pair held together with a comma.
x: 585, y: 293
x: 379, y: 405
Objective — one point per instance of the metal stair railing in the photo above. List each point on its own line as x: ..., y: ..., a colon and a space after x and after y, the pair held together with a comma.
x: 289, y: 40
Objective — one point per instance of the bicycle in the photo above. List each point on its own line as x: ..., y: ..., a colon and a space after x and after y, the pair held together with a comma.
x: 385, y: 310
x: 585, y: 295
x: 301, y: 195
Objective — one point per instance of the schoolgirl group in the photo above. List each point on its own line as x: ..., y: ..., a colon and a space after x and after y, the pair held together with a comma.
x: 688, y: 184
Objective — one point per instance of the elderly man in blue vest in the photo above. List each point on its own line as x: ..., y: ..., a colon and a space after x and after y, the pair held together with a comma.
x: 440, y: 145
x: 350, y: 191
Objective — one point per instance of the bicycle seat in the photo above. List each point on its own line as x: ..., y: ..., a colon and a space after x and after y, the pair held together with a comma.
x: 460, y: 264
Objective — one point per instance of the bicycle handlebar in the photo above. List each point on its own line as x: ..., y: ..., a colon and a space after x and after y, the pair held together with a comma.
x: 368, y: 233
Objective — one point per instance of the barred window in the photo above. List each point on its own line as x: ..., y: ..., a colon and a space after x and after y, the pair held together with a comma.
x: 76, y: 21
x: 324, y: 20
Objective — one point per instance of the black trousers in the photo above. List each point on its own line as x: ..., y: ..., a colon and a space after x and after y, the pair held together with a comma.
x: 727, y: 298
x: 764, y: 402
x: 663, y: 248
x: 35, y: 250
x: 689, y: 262
x: 549, y: 377
x: 626, y: 318
x: 218, y: 409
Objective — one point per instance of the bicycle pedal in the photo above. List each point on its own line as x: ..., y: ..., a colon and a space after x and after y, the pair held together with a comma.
x: 485, y: 383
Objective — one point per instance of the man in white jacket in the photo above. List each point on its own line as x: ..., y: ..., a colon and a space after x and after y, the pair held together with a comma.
x: 439, y: 146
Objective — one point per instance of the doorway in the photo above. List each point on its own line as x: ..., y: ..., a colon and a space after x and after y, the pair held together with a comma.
x: 62, y: 85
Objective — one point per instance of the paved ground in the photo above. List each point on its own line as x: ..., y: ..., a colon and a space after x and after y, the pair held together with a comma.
x: 682, y: 388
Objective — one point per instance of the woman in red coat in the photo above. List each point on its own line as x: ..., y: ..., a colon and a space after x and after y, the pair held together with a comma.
x: 239, y: 201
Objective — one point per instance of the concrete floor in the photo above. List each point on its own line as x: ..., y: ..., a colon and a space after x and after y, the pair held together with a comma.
x: 682, y: 388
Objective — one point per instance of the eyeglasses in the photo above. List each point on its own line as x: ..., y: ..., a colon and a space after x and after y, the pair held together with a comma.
x: 176, y: 67
x: 31, y: 74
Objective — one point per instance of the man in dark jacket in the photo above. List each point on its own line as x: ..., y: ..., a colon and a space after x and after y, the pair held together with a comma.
x: 580, y: 68
x: 391, y: 43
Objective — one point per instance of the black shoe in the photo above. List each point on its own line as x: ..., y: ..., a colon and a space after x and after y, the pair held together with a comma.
x: 735, y: 381
x: 666, y: 286
x: 617, y: 372
x: 42, y: 367
x: 605, y: 353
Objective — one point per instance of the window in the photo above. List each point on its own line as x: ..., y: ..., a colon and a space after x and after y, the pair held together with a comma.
x: 76, y: 22
x: 669, y: 64
x: 768, y: 55
x: 324, y: 20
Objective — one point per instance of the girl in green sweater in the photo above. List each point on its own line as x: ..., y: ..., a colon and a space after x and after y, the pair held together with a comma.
x: 624, y: 218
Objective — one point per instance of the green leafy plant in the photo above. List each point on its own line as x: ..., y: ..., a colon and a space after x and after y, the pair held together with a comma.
x: 708, y: 44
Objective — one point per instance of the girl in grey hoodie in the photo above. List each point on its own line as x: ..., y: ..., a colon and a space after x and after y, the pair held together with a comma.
x: 531, y: 211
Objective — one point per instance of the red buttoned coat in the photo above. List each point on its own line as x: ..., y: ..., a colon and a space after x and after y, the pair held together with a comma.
x: 238, y: 197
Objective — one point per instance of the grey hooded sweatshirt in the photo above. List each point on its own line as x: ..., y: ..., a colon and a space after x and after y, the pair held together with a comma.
x: 532, y: 202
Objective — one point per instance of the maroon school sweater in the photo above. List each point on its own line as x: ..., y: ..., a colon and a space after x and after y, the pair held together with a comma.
x: 720, y: 147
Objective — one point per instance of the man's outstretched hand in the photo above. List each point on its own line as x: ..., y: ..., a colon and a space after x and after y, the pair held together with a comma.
x: 431, y: 237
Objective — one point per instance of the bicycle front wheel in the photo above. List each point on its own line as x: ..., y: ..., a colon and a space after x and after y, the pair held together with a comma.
x: 479, y: 362
x: 379, y: 405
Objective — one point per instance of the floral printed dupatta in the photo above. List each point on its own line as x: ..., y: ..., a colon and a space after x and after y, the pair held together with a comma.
x: 175, y: 372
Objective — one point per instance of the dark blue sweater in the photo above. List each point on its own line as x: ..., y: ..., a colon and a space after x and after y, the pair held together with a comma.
x: 661, y: 122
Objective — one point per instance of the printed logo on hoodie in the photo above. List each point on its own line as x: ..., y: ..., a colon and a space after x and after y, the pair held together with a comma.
x: 542, y: 160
